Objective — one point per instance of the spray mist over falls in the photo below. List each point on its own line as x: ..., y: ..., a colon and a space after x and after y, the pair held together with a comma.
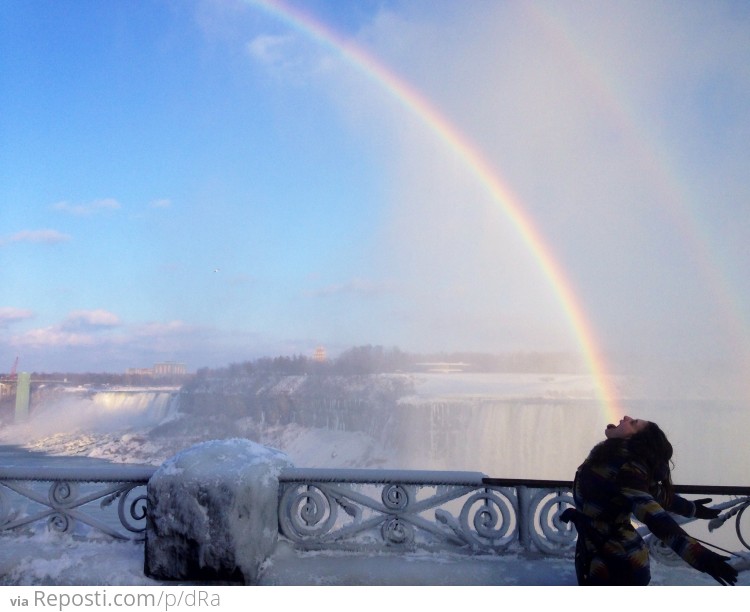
x: 64, y: 421
x: 513, y: 426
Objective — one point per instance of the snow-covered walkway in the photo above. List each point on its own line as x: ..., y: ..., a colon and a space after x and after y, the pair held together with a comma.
x: 58, y: 559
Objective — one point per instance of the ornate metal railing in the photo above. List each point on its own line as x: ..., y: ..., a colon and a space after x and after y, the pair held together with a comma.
x: 76, y: 499
x: 398, y: 510
x: 341, y: 509
x: 402, y: 510
x: 736, y: 508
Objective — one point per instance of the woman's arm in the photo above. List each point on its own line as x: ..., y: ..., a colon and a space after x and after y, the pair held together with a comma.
x: 634, y: 486
x: 683, y: 507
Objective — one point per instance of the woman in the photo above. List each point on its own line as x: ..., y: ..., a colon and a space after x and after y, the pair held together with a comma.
x: 629, y: 473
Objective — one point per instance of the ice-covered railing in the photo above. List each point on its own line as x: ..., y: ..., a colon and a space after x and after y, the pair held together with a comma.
x: 338, y: 509
x: 108, y: 498
x: 406, y: 510
x: 426, y: 510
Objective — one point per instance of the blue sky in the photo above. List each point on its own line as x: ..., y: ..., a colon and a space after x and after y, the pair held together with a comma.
x: 201, y: 182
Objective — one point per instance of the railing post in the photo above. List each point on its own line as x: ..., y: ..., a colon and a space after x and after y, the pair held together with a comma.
x: 524, y: 526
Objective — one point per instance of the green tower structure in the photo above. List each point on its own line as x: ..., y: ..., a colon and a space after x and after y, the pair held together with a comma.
x: 23, y: 385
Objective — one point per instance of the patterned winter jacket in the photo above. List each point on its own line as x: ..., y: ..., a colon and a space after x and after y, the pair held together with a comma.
x: 609, y: 547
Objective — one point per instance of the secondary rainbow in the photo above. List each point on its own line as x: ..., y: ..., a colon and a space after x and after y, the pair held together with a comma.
x: 475, y: 163
x: 673, y: 195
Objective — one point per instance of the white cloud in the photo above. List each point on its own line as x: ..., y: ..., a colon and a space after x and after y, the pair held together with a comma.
x: 43, y: 236
x: 97, y: 340
x: 161, y: 329
x: 90, y: 319
x: 290, y: 57
x: 81, y: 328
x: 53, y: 337
x: 9, y: 315
x: 161, y: 203
x: 87, y: 208
x: 355, y: 287
x: 270, y: 49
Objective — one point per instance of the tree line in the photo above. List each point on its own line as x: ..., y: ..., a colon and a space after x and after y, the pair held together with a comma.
x: 359, y: 360
x: 368, y: 359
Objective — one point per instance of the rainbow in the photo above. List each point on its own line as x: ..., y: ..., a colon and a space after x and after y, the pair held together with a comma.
x: 655, y: 161
x: 414, y: 102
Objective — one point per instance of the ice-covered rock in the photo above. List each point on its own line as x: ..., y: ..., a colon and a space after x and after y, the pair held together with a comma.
x: 213, y: 512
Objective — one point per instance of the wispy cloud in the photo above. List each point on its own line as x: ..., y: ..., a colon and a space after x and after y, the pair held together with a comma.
x: 81, y: 328
x: 96, y: 338
x: 161, y: 203
x: 53, y: 337
x: 9, y: 315
x: 287, y: 56
x: 161, y: 329
x: 87, y: 208
x: 90, y: 320
x: 44, y: 236
x: 270, y: 49
x: 354, y: 287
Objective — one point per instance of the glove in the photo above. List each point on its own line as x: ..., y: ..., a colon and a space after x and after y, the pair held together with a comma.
x: 716, y: 566
x: 570, y: 514
x: 702, y: 512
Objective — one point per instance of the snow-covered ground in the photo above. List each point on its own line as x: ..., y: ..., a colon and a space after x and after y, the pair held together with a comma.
x: 57, y: 559
x: 48, y: 558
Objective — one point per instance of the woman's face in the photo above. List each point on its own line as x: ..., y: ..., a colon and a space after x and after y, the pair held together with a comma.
x: 626, y: 428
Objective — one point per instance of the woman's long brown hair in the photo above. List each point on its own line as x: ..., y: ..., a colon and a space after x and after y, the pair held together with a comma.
x: 655, y: 450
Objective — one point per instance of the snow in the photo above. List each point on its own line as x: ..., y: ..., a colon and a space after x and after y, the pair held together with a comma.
x: 53, y: 559
x: 49, y: 558
x: 213, y: 511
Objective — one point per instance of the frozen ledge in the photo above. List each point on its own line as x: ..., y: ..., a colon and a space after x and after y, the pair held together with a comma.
x: 358, y: 475
x: 85, y: 473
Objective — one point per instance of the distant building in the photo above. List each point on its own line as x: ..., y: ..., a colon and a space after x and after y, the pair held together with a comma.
x: 319, y: 355
x: 170, y: 368
x: 165, y: 369
x: 139, y: 372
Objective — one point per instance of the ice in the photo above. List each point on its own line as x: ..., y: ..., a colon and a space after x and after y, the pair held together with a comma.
x: 213, y: 512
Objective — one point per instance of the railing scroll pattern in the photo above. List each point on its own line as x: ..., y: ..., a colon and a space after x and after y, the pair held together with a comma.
x: 736, y: 508
x: 76, y: 500
x: 407, y: 510
x: 403, y: 510
x: 342, y: 509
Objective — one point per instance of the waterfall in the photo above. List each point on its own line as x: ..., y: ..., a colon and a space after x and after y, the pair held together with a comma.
x: 102, y: 411
x: 147, y: 407
x: 544, y: 427
x: 548, y: 439
x: 510, y: 439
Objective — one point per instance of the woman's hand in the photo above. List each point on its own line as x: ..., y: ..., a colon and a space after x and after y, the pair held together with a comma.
x: 716, y: 565
x: 702, y: 512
